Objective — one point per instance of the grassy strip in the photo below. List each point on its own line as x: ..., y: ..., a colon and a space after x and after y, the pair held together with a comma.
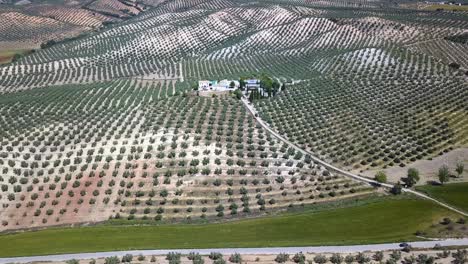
x: 7, y: 55
x: 447, y: 7
x: 298, y: 209
x: 455, y: 194
x: 383, y: 221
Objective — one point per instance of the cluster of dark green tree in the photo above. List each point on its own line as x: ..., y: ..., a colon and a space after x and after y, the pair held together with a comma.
x: 412, y: 178
x: 270, y: 86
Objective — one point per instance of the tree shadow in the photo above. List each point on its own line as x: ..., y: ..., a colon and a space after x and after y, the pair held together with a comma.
x: 434, y: 183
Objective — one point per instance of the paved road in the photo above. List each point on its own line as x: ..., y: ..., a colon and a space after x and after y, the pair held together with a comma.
x: 227, y: 251
x: 331, y: 167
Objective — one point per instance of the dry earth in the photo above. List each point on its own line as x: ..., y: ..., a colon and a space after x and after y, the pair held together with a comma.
x: 428, y: 168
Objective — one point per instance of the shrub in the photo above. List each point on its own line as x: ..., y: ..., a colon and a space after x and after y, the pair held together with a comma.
x: 378, y: 256
x: 336, y: 259
x: 412, y: 177
x: 282, y: 258
x: 407, y: 260
x: 381, y: 177
x: 164, y: 193
x: 215, y: 255
x: 127, y: 258
x: 406, y: 249
x: 173, y: 257
x: 460, y: 168
x: 235, y: 258
x: 112, y: 260
x: 443, y: 254
x: 396, y: 189
x: 349, y: 259
x: 446, y: 221
x: 362, y: 258
x: 320, y: 259
x: 195, y: 258
x: 299, y: 258
x: 395, y: 255
x: 460, y: 257
x: 72, y: 261
x: 444, y: 174
x: 279, y: 179
x: 192, y: 255
x: 425, y: 259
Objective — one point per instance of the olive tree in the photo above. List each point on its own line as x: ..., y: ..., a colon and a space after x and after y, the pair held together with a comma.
x: 444, y: 174
x: 127, y: 258
x: 299, y: 258
x: 349, y: 259
x: 235, y: 258
x: 112, y: 260
x: 282, y: 258
x: 336, y: 259
x: 412, y: 177
x: 72, y: 261
x: 460, y: 168
x: 381, y: 177
x: 320, y: 259
x: 378, y: 256
x: 460, y: 257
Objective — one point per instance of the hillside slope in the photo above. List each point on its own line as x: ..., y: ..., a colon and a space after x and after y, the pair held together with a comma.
x: 103, y: 126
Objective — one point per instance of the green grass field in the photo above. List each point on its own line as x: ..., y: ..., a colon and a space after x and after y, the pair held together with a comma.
x: 384, y: 220
x: 447, y: 7
x: 7, y: 55
x: 455, y: 194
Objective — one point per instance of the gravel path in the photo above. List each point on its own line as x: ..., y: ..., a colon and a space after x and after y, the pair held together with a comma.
x: 227, y: 251
x: 331, y: 167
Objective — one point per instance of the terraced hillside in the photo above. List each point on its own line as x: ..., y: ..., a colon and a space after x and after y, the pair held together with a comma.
x: 39, y: 30
x: 27, y: 25
x: 104, y: 126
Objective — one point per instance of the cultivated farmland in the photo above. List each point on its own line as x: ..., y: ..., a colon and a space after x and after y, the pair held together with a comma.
x: 30, y: 25
x: 373, y: 222
x: 376, y: 126
x: 107, y: 125
x: 289, y: 42
x: 128, y: 151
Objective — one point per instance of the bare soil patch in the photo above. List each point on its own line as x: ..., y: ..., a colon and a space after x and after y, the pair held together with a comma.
x: 428, y: 168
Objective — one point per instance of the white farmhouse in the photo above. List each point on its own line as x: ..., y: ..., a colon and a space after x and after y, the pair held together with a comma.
x: 204, y: 85
x: 252, y: 84
x: 226, y: 85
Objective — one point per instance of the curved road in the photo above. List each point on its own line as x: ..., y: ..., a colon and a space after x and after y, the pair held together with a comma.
x: 227, y: 251
x: 331, y: 167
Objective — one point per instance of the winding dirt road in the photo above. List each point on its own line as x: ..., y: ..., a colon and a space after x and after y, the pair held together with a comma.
x: 333, y: 168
